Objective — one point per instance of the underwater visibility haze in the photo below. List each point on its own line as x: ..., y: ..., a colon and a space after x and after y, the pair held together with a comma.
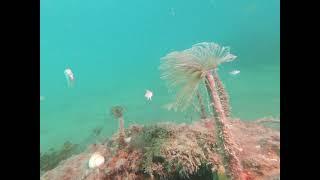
x: 106, y: 65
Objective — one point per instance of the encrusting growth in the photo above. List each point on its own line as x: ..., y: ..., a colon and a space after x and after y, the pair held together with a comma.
x: 175, y: 151
x: 224, y: 97
x: 225, y: 138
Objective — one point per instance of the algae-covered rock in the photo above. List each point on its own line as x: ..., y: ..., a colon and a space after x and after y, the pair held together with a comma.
x: 51, y: 159
x: 176, y: 152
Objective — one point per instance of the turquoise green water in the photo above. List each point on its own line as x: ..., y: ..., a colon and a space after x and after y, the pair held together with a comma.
x: 114, y: 49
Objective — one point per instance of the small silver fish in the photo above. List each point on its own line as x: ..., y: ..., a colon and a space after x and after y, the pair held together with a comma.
x: 69, y: 76
x: 148, y: 95
x: 234, y: 72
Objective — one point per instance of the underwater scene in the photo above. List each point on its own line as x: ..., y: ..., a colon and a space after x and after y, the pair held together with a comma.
x: 159, y: 89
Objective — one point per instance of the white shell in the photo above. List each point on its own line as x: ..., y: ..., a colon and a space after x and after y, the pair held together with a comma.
x: 96, y: 160
x: 127, y: 140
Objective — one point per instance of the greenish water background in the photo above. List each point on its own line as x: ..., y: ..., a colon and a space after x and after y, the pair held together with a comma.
x: 114, y: 48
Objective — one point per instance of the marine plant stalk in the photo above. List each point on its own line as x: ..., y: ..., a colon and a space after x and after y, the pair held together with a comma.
x: 215, y: 115
x: 225, y: 140
x: 202, y: 107
x: 117, y: 112
x: 122, y: 142
x: 224, y: 98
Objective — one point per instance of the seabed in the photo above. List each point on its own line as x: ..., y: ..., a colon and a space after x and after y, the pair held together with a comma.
x: 170, y: 151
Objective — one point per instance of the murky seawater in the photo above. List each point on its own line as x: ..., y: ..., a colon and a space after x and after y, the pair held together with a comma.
x: 114, y: 49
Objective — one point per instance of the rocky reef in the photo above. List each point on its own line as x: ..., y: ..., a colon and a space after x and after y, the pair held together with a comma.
x: 176, y: 151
